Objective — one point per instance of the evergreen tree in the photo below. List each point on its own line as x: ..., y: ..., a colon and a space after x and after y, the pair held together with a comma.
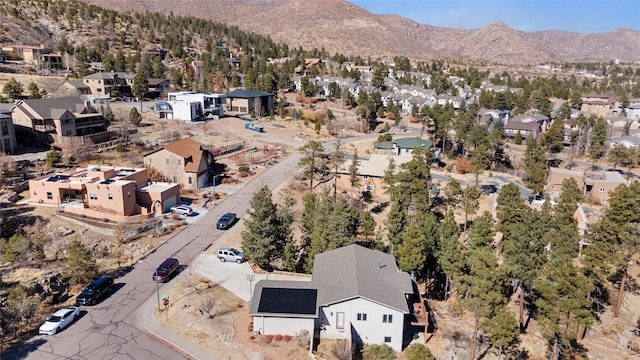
x: 480, y: 160
x: 13, y: 88
x: 312, y: 160
x: 53, y: 158
x: 34, y: 91
x: 396, y: 223
x: 79, y: 262
x: 412, y: 183
x: 135, y: 117
x: 354, y: 180
x: 470, y: 202
x: 453, y: 194
x: 449, y: 255
x: 597, y: 139
x: 536, y: 165
x: 140, y: 86
x: 563, y: 305
x: 411, y: 251
x: 620, y: 154
x: 266, y: 232
x: 518, y: 138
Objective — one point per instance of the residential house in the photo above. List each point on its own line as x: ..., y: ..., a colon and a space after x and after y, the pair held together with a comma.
x: 185, y: 162
x: 107, y: 83
x: 402, y: 146
x: 528, y: 125
x: 105, y: 192
x: 158, y: 87
x: 38, y: 56
x: 248, y: 101
x: 489, y: 117
x: 59, y: 120
x: 355, y: 293
x: 73, y: 88
x: 618, y: 126
x: 628, y: 141
x: 7, y: 132
x: 633, y: 111
x: 595, y: 185
x: 601, y: 105
x: 192, y: 106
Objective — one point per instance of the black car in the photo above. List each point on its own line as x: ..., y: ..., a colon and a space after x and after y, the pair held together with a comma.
x: 95, y: 291
x: 226, y: 221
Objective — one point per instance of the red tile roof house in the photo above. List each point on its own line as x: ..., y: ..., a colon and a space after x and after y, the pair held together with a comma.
x: 105, y: 192
x: 185, y: 162
x: 355, y: 293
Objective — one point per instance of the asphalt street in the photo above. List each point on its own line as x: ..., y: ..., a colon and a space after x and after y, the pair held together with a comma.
x: 113, y: 329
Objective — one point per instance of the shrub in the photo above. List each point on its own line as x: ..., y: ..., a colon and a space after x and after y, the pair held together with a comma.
x: 303, y: 338
x: 286, y: 338
x: 243, y: 168
x: 463, y: 165
x: 268, y: 338
x: 277, y: 337
x: 418, y: 352
x: 378, y: 352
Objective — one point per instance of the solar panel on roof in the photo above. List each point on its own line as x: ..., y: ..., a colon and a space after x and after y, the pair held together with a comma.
x: 288, y: 301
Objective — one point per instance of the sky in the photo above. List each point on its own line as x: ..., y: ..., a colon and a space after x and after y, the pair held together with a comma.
x: 582, y: 16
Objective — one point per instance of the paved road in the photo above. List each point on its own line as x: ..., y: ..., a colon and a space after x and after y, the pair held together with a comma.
x: 113, y: 329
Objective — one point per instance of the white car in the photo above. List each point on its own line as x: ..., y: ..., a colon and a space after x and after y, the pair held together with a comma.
x: 182, y: 210
x: 59, y: 320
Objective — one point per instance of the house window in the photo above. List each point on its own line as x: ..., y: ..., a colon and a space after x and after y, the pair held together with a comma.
x: 148, y: 160
x: 387, y: 339
x: 387, y: 318
x: 175, y: 179
x: 362, y: 317
x: 179, y: 161
x: 167, y: 161
x: 603, y: 200
x: 93, y: 196
x: 365, y: 177
x: 49, y: 195
x: 110, y: 196
x: 601, y: 189
x: 35, y: 193
x: 190, y: 181
x: 128, y: 194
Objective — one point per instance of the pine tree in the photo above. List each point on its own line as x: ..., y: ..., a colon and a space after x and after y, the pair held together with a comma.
x: 536, y: 165
x: 470, y: 202
x: 449, y: 254
x: 563, y: 305
x: 312, y: 160
x: 396, y: 223
x: 266, y: 233
x: 80, y: 262
x: 510, y: 206
x: 453, y: 194
x: 354, y: 180
x: 413, y: 182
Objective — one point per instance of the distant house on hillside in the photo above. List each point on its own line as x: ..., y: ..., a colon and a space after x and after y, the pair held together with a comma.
x: 107, y: 83
x: 59, y: 120
x: 595, y: 185
x: 401, y: 146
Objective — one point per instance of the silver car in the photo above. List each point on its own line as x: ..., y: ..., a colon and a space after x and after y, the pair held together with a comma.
x: 231, y: 254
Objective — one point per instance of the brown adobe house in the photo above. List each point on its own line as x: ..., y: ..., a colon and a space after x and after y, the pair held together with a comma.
x: 185, y: 162
x: 595, y: 185
x: 105, y: 192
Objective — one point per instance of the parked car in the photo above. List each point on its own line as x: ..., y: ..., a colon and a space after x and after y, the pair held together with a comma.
x: 226, y: 221
x: 166, y: 270
x: 59, y: 320
x: 95, y: 291
x: 182, y: 210
x: 231, y: 254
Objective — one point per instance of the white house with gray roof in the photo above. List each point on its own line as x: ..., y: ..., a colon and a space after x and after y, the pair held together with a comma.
x: 355, y: 293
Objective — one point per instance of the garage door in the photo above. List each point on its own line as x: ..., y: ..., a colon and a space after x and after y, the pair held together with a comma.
x: 166, y: 207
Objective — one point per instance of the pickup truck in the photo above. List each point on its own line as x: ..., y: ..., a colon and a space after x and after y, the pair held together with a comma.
x: 226, y: 221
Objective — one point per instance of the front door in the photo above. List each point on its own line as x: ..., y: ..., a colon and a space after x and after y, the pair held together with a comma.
x: 340, y: 320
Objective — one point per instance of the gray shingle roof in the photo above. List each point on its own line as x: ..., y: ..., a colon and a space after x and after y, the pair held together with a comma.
x: 46, y: 108
x: 355, y: 271
x: 244, y: 94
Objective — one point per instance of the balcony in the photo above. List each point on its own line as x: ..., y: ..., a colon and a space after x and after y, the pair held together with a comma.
x: 44, y: 128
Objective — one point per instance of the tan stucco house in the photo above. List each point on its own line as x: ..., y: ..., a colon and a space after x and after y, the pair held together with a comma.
x: 58, y: 119
x: 248, y: 101
x: 595, y: 185
x: 185, y: 162
x: 114, y: 193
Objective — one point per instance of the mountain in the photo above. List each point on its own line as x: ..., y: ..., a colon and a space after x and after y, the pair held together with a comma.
x: 340, y: 26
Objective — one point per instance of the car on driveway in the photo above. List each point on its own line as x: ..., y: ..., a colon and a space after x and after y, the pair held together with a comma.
x: 182, y: 210
x: 226, y: 221
x: 59, y: 320
x: 231, y: 254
